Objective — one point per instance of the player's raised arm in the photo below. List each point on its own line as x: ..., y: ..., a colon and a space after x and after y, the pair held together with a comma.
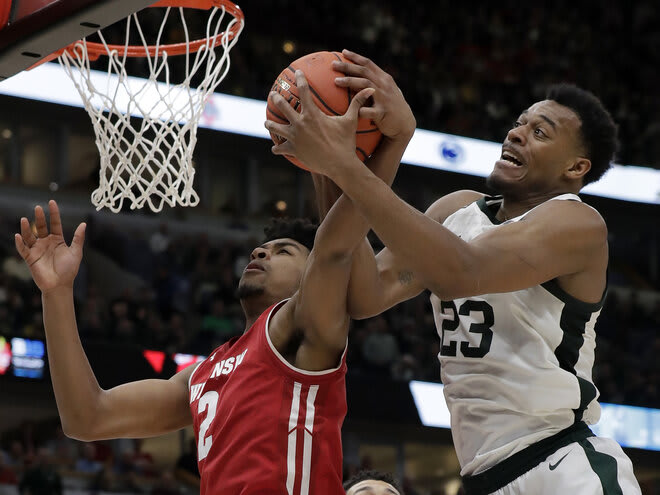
x: 329, y: 266
x: 86, y: 410
x: 376, y: 283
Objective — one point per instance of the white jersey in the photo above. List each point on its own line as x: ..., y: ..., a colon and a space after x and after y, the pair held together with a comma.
x: 516, y: 366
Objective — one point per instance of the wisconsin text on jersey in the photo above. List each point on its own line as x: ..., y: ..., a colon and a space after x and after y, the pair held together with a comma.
x: 224, y: 367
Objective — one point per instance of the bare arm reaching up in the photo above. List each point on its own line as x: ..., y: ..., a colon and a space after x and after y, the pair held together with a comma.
x: 139, y: 409
x: 320, y: 305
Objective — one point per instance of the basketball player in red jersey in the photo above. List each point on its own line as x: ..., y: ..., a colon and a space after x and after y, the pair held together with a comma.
x: 266, y: 407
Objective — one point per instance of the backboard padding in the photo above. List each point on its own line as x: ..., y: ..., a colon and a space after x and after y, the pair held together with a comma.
x: 30, y: 39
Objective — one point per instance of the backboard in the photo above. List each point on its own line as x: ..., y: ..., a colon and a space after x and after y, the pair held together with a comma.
x: 31, y: 30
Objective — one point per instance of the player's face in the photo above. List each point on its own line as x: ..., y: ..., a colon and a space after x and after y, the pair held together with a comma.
x: 372, y: 487
x: 275, y: 269
x: 541, y: 146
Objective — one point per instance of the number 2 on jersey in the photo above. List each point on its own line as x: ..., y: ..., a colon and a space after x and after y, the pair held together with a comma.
x: 484, y: 328
x: 207, y: 402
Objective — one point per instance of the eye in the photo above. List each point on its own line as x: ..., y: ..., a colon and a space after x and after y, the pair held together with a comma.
x: 539, y: 132
x: 517, y: 123
x: 283, y: 251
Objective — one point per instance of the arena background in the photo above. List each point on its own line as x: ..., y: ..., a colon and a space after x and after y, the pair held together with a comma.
x: 164, y: 283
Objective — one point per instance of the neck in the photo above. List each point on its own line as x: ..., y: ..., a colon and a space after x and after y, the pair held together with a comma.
x: 253, y: 308
x: 513, y: 207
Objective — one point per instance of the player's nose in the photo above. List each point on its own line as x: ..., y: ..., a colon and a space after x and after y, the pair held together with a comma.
x: 259, y: 252
x: 516, y: 135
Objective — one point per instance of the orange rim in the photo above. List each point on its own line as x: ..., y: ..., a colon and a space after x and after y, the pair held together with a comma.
x: 96, y: 50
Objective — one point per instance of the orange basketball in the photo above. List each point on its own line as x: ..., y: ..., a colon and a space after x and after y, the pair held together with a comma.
x: 329, y: 97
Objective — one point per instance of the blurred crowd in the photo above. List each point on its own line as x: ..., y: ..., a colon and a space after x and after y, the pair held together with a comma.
x: 469, y: 68
x: 466, y: 68
x: 176, y: 293
x: 39, y: 459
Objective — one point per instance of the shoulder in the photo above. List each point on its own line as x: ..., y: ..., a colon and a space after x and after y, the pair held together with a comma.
x: 451, y: 203
x: 570, y: 215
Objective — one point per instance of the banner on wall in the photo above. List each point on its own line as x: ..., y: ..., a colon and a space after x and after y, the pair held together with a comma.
x: 246, y: 116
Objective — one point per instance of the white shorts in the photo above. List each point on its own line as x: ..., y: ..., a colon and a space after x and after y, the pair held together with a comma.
x: 573, y: 461
x: 593, y: 466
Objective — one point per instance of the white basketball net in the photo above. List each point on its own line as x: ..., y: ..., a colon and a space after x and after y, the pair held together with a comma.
x: 152, y: 162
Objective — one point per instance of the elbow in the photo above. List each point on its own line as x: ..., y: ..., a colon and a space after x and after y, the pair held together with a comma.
x: 76, y: 433
x: 80, y: 429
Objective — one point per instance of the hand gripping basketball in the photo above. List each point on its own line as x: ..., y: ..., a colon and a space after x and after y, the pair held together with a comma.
x: 320, y: 141
x: 326, y: 94
x: 389, y: 111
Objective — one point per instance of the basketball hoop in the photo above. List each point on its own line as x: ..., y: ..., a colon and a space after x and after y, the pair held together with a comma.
x: 151, y: 162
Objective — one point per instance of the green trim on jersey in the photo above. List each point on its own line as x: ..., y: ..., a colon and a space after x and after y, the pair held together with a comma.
x: 553, y: 288
x: 605, y: 468
x: 573, y: 321
x: 519, y: 463
x: 486, y: 205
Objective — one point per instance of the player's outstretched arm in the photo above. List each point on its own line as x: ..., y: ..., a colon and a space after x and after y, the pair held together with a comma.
x: 87, y: 412
x: 559, y: 238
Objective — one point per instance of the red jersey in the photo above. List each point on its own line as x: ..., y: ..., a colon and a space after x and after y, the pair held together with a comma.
x: 263, y: 426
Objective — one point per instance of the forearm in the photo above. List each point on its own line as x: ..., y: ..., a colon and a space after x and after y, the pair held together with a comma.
x: 75, y: 386
x: 344, y: 231
x: 327, y: 194
x: 408, y: 233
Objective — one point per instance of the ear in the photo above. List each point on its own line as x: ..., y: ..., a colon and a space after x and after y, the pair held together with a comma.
x: 578, y: 169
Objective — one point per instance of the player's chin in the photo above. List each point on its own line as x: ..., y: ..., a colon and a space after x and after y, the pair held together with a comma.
x: 248, y: 289
x: 502, y: 183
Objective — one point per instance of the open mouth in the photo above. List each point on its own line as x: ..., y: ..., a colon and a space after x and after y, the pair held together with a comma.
x: 508, y: 157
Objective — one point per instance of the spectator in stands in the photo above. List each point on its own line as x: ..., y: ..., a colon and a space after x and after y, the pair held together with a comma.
x: 63, y: 448
x: 380, y: 348
x: 41, y: 478
x: 186, y: 469
x: 11, y: 265
x: 166, y: 485
x: 87, y: 462
x: 217, y: 327
x: 7, y: 473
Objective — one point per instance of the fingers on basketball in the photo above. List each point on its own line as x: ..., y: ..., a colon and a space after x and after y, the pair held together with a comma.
x: 358, y: 102
x: 358, y: 59
x: 324, y: 93
x: 304, y: 93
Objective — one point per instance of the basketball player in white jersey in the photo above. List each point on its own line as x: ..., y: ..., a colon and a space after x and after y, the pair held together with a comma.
x: 517, y: 283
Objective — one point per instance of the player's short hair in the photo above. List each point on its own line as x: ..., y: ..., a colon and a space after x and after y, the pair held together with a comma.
x: 598, y: 131
x: 372, y: 475
x: 301, y: 230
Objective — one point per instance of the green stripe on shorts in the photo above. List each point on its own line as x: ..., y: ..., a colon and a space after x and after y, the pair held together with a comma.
x: 605, y: 468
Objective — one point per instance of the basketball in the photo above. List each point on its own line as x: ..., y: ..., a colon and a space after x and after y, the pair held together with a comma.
x: 329, y: 97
